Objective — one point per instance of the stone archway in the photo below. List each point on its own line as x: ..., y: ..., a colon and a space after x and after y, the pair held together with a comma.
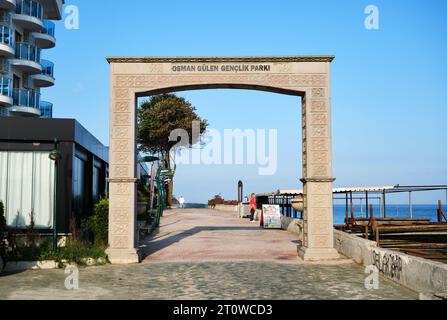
x: 305, y: 76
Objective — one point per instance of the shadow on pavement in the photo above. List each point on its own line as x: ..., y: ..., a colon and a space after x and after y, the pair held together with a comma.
x: 151, y: 245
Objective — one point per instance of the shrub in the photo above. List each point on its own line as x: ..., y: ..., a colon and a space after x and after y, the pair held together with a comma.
x: 2, y: 217
x: 74, y: 252
x: 92, y: 242
x: 95, y: 229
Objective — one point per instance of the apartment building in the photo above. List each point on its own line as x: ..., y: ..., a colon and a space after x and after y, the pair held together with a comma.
x: 27, y: 29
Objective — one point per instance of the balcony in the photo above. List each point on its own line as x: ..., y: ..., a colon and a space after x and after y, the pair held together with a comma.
x: 27, y: 58
x: 6, y: 41
x: 45, y: 39
x: 25, y: 103
x: 5, y: 92
x: 29, y: 15
x: 46, y: 109
x: 53, y: 9
x: 46, y: 78
x: 7, y: 4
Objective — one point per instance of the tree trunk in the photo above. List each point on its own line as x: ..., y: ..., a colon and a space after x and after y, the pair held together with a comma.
x: 170, y: 185
x: 170, y: 192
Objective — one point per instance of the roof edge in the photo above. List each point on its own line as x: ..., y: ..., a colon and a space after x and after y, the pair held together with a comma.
x: 212, y: 59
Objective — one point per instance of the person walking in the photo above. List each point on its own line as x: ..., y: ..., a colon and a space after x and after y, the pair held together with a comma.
x: 253, y: 208
x: 181, y: 201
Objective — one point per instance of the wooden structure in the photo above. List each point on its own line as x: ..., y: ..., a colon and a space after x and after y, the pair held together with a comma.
x: 419, y: 237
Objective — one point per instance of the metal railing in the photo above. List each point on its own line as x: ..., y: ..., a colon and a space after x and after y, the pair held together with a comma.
x: 46, y: 109
x: 26, y: 98
x: 6, y: 86
x: 47, y: 68
x: 30, y: 8
x: 49, y: 28
x: 25, y: 51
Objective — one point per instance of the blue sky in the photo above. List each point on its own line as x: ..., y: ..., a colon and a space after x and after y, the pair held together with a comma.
x: 388, y: 85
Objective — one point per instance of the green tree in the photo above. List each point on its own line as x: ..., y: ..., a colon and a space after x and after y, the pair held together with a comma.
x: 95, y: 228
x: 160, y: 116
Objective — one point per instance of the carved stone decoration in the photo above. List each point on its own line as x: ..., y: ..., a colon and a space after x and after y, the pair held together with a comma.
x: 119, y: 215
x: 319, y: 106
x: 122, y: 119
x: 120, y: 242
x: 318, y: 92
x: 121, y: 158
x: 122, y: 94
x: 304, y: 76
x: 120, y: 145
x: 319, y: 119
x: 122, y: 106
x: 120, y: 132
x: 319, y: 131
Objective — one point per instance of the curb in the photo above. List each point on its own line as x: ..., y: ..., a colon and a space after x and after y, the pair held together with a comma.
x: 20, y: 266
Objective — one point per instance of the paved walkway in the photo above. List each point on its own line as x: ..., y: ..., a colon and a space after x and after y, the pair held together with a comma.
x: 203, y: 254
x: 193, y: 235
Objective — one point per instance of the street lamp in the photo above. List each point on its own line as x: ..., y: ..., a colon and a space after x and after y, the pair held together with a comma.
x: 55, y: 156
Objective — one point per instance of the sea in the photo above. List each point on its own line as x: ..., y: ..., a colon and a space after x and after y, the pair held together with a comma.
x: 392, y: 211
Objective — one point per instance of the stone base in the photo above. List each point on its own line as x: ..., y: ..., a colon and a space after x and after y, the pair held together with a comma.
x: 123, y: 256
x: 317, y: 254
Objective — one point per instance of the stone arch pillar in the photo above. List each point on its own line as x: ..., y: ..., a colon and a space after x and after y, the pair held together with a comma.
x: 318, y: 239
x: 123, y: 236
x: 305, y: 76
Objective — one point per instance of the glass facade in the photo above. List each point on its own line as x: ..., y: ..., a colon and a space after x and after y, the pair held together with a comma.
x: 27, y: 186
x: 25, y: 51
x: 96, y: 184
x: 6, y: 35
x: 46, y: 109
x: 26, y: 28
x: 49, y: 28
x: 79, y: 186
x: 26, y: 98
x: 47, y: 68
x: 6, y: 86
x: 30, y: 8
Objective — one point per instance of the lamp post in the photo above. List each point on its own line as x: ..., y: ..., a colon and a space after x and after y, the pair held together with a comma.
x: 55, y: 156
x: 240, y: 192
x: 150, y: 159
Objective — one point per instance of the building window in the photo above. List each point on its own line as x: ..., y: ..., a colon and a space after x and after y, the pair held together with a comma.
x: 96, y: 184
x: 27, y: 186
x: 79, y: 186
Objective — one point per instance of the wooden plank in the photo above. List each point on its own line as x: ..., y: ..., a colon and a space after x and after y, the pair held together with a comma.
x: 393, y: 219
x: 411, y: 228
x: 416, y: 245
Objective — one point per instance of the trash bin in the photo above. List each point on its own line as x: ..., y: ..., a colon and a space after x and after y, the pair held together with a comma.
x: 244, y: 210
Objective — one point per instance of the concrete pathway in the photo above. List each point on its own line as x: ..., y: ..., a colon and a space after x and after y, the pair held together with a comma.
x: 193, y: 235
x: 204, y: 254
